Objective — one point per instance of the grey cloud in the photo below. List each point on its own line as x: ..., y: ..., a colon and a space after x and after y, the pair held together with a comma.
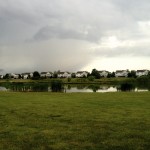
x: 45, y: 56
x: 91, y: 20
x: 142, y: 51
x: 49, y: 32
x: 1, y: 70
x: 63, y: 30
x: 138, y: 10
x: 86, y: 20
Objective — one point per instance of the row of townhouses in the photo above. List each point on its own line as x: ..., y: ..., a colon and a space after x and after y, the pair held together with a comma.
x: 79, y: 74
x: 48, y: 74
x: 124, y: 73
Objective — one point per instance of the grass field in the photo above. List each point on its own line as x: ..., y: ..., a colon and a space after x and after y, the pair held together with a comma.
x: 76, y: 121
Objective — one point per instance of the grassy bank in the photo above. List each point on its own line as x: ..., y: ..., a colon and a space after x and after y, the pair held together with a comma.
x: 73, y: 80
x: 76, y: 121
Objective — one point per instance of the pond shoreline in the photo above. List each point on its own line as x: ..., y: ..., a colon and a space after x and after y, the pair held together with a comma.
x: 68, y: 88
x: 71, y: 80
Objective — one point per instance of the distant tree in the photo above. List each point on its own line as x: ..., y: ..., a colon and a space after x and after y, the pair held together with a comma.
x: 7, y: 76
x: 113, y: 74
x: 95, y: 73
x: 73, y: 75
x: 29, y: 76
x: 36, y: 75
x: 55, y: 75
x: 149, y: 74
x: 132, y: 74
x: 19, y: 76
x: 109, y: 75
x: 84, y: 76
x: 88, y: 74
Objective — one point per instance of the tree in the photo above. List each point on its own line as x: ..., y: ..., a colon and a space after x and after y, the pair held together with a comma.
x: 113, y: 74
x: 7, y: 76
x: 19, y: 76
x: 132, y: 74
x: 73, y: 75
x: 36, y: 75
x: 109, y: 75
x: 55, y: 75
x: 95, y: 73
x: 149, y: 74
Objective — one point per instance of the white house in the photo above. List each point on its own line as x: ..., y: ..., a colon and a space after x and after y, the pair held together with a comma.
x: 64, y: 75
x: 1, y: 76
x: 81, y: 74
x: 121, y: 73
x: 141, y: 73
x: 46, y: 74
x: 26, y: 75
x: 103, y: 73
x: 14, y: 76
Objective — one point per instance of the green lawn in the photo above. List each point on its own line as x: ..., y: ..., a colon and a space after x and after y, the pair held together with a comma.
x: 75, y: 121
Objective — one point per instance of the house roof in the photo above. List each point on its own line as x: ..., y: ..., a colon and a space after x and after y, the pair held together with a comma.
x: 120, y: 71
x: 44, y: 72
x: 141, y: 70
x: 103, y: 71
x: 82, y: 71
x: 26, y: 73
x: 61, y: 72
x: 64, y: 72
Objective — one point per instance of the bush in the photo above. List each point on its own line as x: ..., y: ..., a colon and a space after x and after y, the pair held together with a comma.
x: 57, y: 86
x: 69, y: 79
x: 91, y: 78
x: 143, y: 80
x: 127, y: 87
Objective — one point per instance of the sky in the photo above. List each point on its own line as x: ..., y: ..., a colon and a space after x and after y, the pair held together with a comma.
x: 74, y: 35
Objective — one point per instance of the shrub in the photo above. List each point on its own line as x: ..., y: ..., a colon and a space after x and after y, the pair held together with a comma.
x: 127, y: 87
x: 91, y: 78
x: 57, y: 86
x: 69, y: 79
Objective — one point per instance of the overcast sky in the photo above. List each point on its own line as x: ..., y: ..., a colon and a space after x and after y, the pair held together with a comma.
x: 72, y: 35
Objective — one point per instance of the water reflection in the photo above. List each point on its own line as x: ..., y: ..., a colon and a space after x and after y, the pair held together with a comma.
x: 3, y: 89
x: 24, y: 87
x: 92, y: 89
x: 68, y: 88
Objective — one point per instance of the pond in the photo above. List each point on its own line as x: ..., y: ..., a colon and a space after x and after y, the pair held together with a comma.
x: 68, y: 88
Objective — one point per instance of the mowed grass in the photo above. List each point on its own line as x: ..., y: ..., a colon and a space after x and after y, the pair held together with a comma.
x: 75, y: 121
